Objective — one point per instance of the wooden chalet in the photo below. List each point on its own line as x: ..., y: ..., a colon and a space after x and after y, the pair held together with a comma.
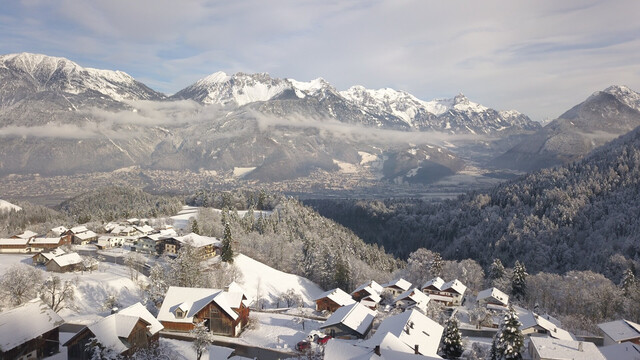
x: 49, y: 243
x: 29, y: 331
x: 43, y: 257
x: 412, y: 298
x: 65, y: 263
x: 397, y: 286
x: 208, y: 247
x: 125, y: 332
x: 450, y: 293
x: 350, y: 322
x: 223, y: 312
x: 14, y: 245
x: 332, y: 300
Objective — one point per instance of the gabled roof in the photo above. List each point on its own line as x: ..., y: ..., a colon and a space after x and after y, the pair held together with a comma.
x: 14, y: 330
x: 79, y: 229
x: 138, y: 309
x: 401, y: 284
x: 198, y: 240
x: 621, y: 330
x: 337, y: 349
x: 338, y: 296
x: 86, y: 235
x: 411, y: 328
x: 59, y: 230
x: 17, y: 241
x: 356, y: 317
x: 45, y: 241
x: 549, y: 348
x: 494, y: 294
x: 370, y: 287
x: 192, y: 300
x: 28, y: 234
x: 67, y: 259
x: 454, y: 286
x: 436, y: 282
x: 53, y: 253
x: 530, y: 319
x: 111, y: 331
x: 144, y: 229
x: 414, y: 295
x: 622, y: 351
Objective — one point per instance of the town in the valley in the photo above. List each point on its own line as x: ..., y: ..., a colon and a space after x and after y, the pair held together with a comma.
x: 102, y: 298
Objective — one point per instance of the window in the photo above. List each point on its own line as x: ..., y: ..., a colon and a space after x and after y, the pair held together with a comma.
x: 179, y: 314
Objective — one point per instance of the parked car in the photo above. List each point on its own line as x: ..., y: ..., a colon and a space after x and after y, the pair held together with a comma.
x: 303, y: 345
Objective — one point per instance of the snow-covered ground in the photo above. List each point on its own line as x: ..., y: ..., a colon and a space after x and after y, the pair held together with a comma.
x: 181, y: 221
x: 258, y: 277
x: 7, y: 206
x: 278, y: 331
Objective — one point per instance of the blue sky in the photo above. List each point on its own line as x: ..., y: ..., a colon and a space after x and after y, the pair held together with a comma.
x: 539, y: 57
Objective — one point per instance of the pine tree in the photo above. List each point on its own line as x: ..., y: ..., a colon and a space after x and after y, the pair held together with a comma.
x: 436, y: 265
x: 519, y: 281
x: 628, y: 281
x: 497, y: 270
x: 508, y: 342
x: 451, y: 343
x: 227, y: 250
x: 194, y: 227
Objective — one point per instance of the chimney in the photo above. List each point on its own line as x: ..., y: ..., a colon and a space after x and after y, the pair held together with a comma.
x: 580, y: 346
x: 416, y: 349
x: 376, y: 350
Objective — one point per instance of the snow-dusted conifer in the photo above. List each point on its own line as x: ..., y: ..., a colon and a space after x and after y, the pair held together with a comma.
x: 186, y: 268
x: 519, y: 281
x: 628, y: 281
x: 451, y: 344
x: 227, y: 250
x: 508, y: 341
x: 497, y: 270
x: 436, y: 265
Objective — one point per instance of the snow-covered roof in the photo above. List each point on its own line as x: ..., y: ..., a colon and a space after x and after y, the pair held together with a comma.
x: 494, y: 294
x: 622, y: 351
x: 168, y: 232
x: 621, y: 330
x: 145, y: 229
x: 338, y: 296
x: 198, y: 240
x: 86, y: 235
x: 370, y: 287
x: 356, y: 317
x: 337, y: 349
x: 411, y: 328
x: 26, y: 322
x: 454, y: 285
x: 549, y: 348
x: 138, y: 309
x: 112, y: 330
x: 28, y: 234
x: 401, y: 284
x: 14, y: 241
x: 436, y: 282
x: 133, y: 220
x: 79, y: 229
x: 45, y: 241
x: 110, y: 226
x: 67, y: 259
x: 531, y: 319
x: 414, y: 295
x: 53, y: 253
x: 192, y: 300
x: 59, y: 230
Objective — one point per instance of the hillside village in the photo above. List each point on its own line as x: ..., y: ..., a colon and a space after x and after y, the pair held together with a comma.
x: 118, y: 308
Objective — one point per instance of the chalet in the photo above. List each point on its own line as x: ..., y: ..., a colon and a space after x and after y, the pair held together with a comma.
x: 108, y: 242
x: 536, y: 325
x: 412, y: 298
x: 450, y: 293
x: 224, y: 312
x: 390, y: 348
x: 493, y: 298
x: 619, y: 331
x: 81, y: 235
x: 57, y: 231
x: 208, y: 246
x: 14, y: 245
x: 44, y: 243
x: 124, y: 332
x: 145, y: 229
x: 368, y: 294
x: 133, y: 221
x: 27, y: 235
x: 29, y: 331
x: 65, y: 263
x: 397, y: 287
x: 622, y: 351
x: 554, y: 349
x: 350, y: 322
x: 108, y: 227
x: 42, y: 257
x: 332, y: 300
x: 408, y: 332
x: 153, y: 243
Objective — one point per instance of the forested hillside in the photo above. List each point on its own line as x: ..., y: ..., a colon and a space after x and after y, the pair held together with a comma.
x: 580, y: 216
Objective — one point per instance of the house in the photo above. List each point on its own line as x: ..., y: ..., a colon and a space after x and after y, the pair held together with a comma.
x: 224, y: 312
x: 397, y: 286
x: 57, y: 231
x: 536, y: 325
x: 65, y: 263
x: 14, y: 245
x: 108, y: 242
x: 414, y: 333
x: 337, y: 349
x: 622, y: 351
x: 144, y: 229
x: 368, y: 294
x: 42, y: 257
x: 450, y: 293
x: 81, y: 235
x: 124, y: 332
x: 332, y: 300
x: 350, y: 322
x: 44, y: 243
x: 208, y: 246
x: 555, y: 349
x: 493, y: 298
x: 619, y: 331
x: 28, y: 234
x: 412, y: 298
x: 29, y: 331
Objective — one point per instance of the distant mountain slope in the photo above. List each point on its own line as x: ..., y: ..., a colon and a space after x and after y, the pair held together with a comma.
x: 583, y: 215
x: 600, y: 118
x: 7, y: 206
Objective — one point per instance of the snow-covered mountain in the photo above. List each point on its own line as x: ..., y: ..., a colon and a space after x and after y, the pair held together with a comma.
x: 7, y: 206
x: 30, y: 73
x: 601, y: 117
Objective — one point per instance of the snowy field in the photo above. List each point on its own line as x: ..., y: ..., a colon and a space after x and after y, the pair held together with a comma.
x: 278, y: 331
x: 181, y: 221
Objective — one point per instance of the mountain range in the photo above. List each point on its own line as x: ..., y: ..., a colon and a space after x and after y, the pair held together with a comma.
x: 57, y: 117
